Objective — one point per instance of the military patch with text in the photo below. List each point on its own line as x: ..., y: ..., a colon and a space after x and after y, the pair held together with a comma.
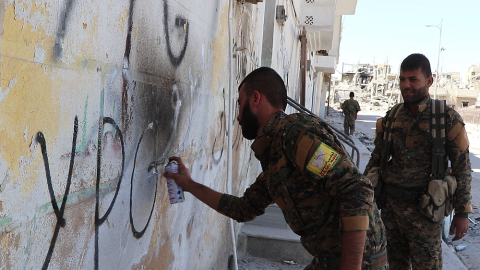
x: 323, y: 160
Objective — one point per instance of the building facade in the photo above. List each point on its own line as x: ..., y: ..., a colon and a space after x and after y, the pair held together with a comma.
x: 93, y: 92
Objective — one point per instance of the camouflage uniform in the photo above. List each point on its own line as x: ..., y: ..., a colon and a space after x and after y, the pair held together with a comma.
x: 350, y: 109
x: 412, y: 238
x: 320, y: 195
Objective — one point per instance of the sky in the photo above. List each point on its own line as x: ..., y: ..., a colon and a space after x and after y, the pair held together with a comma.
x: 384, y: 31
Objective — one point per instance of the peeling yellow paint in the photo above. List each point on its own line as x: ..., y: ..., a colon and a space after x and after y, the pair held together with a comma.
x: 207, y: 237
x: 220, y: 52
x: 19, y: 41
x: 88, y: 46
x: 5, y: 241
x: 122, y: 19
x: 39, y: 8
x: 31, y: 102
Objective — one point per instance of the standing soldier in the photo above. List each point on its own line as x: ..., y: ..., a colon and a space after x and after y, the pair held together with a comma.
x: 415, y: 239
x: 350, y: 109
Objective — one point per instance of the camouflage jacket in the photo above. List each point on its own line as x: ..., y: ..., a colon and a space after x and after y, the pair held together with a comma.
x: 410, y: 165
x: 309, y: 175
x: 350, y: 108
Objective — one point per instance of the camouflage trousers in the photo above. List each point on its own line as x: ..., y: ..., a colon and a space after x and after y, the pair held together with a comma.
x: 349, y: 125
x: 369, y: 263
x: 412, y: 239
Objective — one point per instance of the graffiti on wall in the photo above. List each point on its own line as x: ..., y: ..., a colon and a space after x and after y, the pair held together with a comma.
x: 99, y: 220
x: 180, y: 28
x: 58, y: 212
x: 127, y: 118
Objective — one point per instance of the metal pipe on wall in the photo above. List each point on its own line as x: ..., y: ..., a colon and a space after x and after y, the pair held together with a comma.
x: 303, y: 66
x: 230, y: 124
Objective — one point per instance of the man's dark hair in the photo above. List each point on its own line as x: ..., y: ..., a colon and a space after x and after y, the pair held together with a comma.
x: 352, y: 94
x: 415, y: 61
x: 266, y: 81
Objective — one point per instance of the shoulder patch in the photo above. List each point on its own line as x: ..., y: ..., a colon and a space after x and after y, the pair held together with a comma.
x: 323, y: 160
x: 379, y: 125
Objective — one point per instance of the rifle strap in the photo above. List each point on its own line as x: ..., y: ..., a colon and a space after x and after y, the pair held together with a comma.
x: 387, y: 138
x: 437, y: 128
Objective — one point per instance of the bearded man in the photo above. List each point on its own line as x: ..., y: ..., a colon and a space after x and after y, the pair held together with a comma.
x: 308, y: 174
x: 414, y: 239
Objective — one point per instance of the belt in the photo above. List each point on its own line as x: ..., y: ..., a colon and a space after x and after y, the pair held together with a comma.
x: 376, y: 260
x: 403, y: 194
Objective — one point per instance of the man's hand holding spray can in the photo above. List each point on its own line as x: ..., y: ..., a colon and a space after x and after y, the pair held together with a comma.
x: 175, y: 192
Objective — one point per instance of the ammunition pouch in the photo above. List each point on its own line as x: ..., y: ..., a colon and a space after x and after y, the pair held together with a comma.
x: 437, y: 202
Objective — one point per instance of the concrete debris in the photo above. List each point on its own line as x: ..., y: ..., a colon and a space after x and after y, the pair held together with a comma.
x: 471, y: 220
x: 460, y: 247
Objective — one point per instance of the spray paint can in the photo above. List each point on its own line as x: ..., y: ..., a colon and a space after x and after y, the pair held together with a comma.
x: 175, y: 193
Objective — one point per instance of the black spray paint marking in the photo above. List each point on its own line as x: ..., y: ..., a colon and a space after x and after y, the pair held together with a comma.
x: 61, y: 222
x: 100, y: 220
x: 62, y: 29
x: 223, y: 124
x: 58, y: 212
x: 127, y: 81
x: 180, y: 23
x: 135, y: 232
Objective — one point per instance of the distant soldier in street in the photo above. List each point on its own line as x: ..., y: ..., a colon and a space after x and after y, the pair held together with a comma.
x: 350, y: 109
x: 308, y: 174
x: 413, y: 239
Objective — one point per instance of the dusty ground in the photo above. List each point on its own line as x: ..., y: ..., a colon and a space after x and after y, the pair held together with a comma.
x: 255, y: 263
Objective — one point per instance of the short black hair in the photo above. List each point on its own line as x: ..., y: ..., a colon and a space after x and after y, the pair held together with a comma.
x: 352, y: 94
x: 415, y: 61
x: 266, y: 81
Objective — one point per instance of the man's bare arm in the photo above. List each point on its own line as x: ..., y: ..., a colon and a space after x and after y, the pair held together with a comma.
x: 353, y: 244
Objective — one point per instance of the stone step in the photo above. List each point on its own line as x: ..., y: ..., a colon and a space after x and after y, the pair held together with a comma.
x: 269, y: 237
x: 273, y: 217
x: 276, y: 244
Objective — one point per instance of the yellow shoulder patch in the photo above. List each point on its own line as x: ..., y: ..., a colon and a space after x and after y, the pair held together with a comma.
x: 323, y: 160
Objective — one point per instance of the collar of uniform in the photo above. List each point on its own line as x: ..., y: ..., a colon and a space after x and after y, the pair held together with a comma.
x: 424, y: 104
x: 271, y: 126
x: 263, y: 140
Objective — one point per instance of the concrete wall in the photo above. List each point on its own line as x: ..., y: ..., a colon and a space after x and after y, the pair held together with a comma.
x: 91, y: 93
